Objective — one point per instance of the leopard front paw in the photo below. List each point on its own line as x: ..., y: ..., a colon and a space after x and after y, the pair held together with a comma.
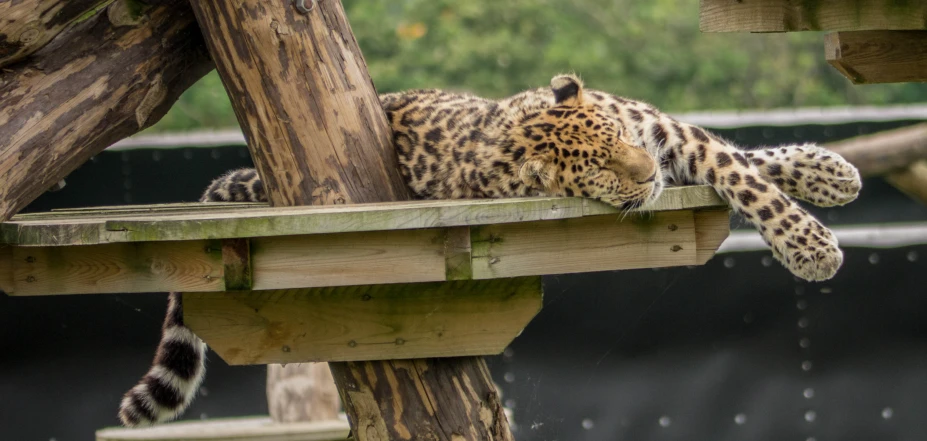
x: 808, y: 249
x: 812, y: 174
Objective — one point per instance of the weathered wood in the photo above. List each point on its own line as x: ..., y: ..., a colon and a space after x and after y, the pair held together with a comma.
x: 28, y: 25
x: 458, y: 254
x: 364, y: 322
x: 911, y: 180
x: 118, y: 268
x: 231, y: 429
x: 447, y: 398
x: 302, y: 392
x: 6, y: 269
x: 884, y: 152
x: 236, y: 264
x: 302, y: 95
x: 819, y: 15
x: 711, y: 228
x: 181, y: 222
x: 66, y: 102
x: 869, y: 57
x: 580, y: 244
x: 349, y: 259
x: 597, y: 243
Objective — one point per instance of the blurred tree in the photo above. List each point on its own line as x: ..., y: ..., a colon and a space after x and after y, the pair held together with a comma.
x: 652, y: 51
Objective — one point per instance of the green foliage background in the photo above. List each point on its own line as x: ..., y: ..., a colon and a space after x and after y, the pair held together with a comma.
x: 648, y: 50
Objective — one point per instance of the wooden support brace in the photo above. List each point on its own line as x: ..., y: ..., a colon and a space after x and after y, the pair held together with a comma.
x: 356, y: 323
x: 236, y: 263
x: 823, y: 15
x: 869, y: 57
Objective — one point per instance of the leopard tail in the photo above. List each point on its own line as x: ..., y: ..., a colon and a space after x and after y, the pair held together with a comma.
x: 175, y: 375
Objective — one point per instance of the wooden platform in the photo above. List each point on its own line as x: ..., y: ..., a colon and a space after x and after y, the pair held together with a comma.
x: 362, y: 282
x: 232, y: 429
x: 877, y: 41
x: 232, y: 247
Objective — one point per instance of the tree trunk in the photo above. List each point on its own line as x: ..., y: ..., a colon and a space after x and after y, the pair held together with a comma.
x: 91, y: 86
x: 301, y: 392
x: 300, y: 89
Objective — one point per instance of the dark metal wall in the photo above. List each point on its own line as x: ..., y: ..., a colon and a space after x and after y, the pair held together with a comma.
x: 733, y: 350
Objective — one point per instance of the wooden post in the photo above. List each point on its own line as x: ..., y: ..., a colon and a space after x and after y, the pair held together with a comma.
x: 63, y: 104
x: 301, y: 91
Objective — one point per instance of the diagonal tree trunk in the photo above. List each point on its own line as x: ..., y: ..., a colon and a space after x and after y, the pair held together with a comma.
x: 91, y: 86
x: 317, y: 133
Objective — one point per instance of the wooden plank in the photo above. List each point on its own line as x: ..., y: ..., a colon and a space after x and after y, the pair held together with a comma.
x: 599, y: 243
x: 364, y: 322
x: 232, y: 429
x: 118, y: 268
x: 6, y: 269
x: 236, y: 263
x: 711, y: 228
x: 820, y: 15
x: 98, y: 227
x: 592, y: 243
x: 402, y: 256
x: 457, y: 254
x: 869, y: 57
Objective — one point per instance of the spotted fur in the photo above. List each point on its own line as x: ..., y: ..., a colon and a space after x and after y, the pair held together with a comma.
x: 566, y: 141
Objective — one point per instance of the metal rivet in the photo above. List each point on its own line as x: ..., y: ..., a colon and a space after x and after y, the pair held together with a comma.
x: 30, y: 259
x: 366, y: 297
x: 676, y: 248
x: 30, y: 279
x: 400, y: 341
x: 352, y: 343
x: 301, y: 6
x: 673, y: 227
x: 285, y: 349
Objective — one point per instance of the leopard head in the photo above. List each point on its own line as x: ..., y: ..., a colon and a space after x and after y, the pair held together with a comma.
x: 574, y: 148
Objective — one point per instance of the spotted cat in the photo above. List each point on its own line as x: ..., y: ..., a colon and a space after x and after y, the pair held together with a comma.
x: 557, y: 141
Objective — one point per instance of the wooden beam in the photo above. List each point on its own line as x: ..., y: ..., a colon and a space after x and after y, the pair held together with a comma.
x: 883, y: 152
x: 911, y: 180
x: 540, y: 247
x: 118, y: 267
x: 172, y: 222
x: 379, y: 322
x: 869, y: 57
x: 6, y: 269
x: 820, y: 15
x: 232, y: 429
x: 64, y: 105
x: 598, y: 243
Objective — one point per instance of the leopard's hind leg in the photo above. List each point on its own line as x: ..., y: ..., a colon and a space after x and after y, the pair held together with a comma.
x: 809, y: 173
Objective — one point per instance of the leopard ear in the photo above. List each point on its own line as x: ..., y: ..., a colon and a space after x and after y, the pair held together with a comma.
x: 541, y: 170
x: 568, y: 90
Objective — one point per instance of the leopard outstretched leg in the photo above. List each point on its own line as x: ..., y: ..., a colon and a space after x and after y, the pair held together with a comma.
x: 798, y: 240
x: 808, y: 172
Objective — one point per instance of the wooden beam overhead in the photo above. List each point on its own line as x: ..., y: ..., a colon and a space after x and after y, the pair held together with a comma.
x: 805, y: 15
x: 869, y: 57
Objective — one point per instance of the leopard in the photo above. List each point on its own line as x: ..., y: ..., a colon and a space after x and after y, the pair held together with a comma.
x: 557, y: 141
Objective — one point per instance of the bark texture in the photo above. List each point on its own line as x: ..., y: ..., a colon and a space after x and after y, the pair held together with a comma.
x: 304, y: 99
x: 300, y: 89
x: 884, y: 152
x: 91, y: 86
x: 27, y: 25
x: 452, y: 399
